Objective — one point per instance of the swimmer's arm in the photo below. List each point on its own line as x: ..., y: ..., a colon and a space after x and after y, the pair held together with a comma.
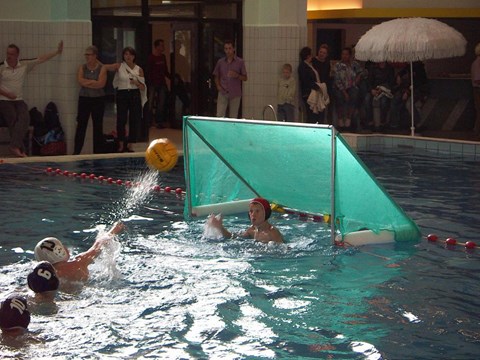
x: 276, y: 236
x: 230, y: 235
x: 217, y: 223
x: 117, y: 228
x: 249, y: 233
x: 226, y: 234
x: 90, y: 255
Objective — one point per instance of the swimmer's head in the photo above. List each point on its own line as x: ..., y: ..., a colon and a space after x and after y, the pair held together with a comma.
x: 265, y: 204
x: 14, y: 314
x: 52, y: 250
x: 43, y: 278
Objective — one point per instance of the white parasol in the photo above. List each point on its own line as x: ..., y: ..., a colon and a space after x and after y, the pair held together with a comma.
x: 409, y: 40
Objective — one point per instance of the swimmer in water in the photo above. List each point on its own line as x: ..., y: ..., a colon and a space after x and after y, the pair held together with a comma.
x: 76, y: 269
x: 43, y: 281
x: 14, y: 315
x: 261, y: 230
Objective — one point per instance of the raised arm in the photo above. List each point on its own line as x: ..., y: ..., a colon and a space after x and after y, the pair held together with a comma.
x: 117, y: 228
x: 45, y: 57
x: 90, y: 255
x: 217, y: 223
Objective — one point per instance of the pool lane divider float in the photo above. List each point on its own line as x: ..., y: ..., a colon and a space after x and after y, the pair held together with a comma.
x: 451, y: 242
x: 109, y: 180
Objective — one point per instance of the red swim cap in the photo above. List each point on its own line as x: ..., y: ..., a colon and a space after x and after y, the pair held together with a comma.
x: 265, y: 204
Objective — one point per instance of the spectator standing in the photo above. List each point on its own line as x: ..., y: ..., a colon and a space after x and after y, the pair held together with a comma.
x: 129, y: 82
x: 92, y: 77
x: 347, y: 76
x: 229, y: 74
x: 321, y: 63
x: 309, y: 80
x: 157, y: 74
x: 475, y: 70
x: 286, y: 95
x: 12, y: 105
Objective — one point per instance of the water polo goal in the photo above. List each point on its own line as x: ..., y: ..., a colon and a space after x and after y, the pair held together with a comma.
x: 305, y: 168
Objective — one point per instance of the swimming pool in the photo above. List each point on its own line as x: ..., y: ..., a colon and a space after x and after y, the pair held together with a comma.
x: 174, y: 294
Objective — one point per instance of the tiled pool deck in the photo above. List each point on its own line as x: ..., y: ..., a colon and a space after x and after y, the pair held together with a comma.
x: 468, y: 149
x: 359, y: 142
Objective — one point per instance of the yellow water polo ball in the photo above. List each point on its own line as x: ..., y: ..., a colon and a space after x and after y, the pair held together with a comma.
x: 161, y: 155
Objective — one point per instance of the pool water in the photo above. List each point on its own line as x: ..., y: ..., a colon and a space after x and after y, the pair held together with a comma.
x: 171, y: 293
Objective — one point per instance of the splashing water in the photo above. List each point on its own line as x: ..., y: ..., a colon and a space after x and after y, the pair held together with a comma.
x: 105, y: 266
x: 138, y: 194
x: 211, y: 232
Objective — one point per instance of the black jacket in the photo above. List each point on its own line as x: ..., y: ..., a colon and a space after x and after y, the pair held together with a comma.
x: 307, y: 78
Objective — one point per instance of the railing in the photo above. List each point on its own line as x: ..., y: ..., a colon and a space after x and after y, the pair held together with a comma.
x: 273, y: 110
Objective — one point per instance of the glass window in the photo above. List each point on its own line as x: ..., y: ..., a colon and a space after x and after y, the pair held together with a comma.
x: 219, y: 11
x: 117, y: 8
x: 167, y: 9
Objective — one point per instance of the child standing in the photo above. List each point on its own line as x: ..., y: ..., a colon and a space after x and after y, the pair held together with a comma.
x: 286, y: 95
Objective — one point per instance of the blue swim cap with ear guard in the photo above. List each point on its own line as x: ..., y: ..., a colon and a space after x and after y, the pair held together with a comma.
x: 14, y: 313
x: 43, y: 278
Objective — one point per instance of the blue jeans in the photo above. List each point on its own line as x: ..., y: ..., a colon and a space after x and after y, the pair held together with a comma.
x: 159, y: 93
x: 286, y: 112
x: 346, y: 108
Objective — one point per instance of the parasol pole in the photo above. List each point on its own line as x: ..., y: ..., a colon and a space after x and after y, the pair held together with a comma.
x: 412, y: 101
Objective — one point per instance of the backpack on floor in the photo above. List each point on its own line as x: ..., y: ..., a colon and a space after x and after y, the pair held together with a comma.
x: 48, y: 135
x: 54, y: 139
x: 39, y: 130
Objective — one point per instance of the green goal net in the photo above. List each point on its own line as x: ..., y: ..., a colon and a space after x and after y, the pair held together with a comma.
x: 306, y: 167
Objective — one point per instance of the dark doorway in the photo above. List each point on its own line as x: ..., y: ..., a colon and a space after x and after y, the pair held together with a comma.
x: 334, y: 38
x: 213, y: 36
x: 193, y: 34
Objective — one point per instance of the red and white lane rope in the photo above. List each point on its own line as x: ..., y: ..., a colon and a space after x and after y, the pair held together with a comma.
x: 109, y: 180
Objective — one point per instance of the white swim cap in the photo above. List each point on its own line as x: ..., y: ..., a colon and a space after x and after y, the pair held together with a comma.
x: 50, y: 249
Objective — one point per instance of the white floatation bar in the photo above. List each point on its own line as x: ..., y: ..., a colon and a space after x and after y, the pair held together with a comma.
x: 366, y: 237
x: 226, y: 208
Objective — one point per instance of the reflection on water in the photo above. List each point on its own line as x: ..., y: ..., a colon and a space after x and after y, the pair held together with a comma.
x: 165, y: 290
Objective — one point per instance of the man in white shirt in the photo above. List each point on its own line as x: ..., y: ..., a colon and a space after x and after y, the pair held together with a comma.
x: 13, y: 108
